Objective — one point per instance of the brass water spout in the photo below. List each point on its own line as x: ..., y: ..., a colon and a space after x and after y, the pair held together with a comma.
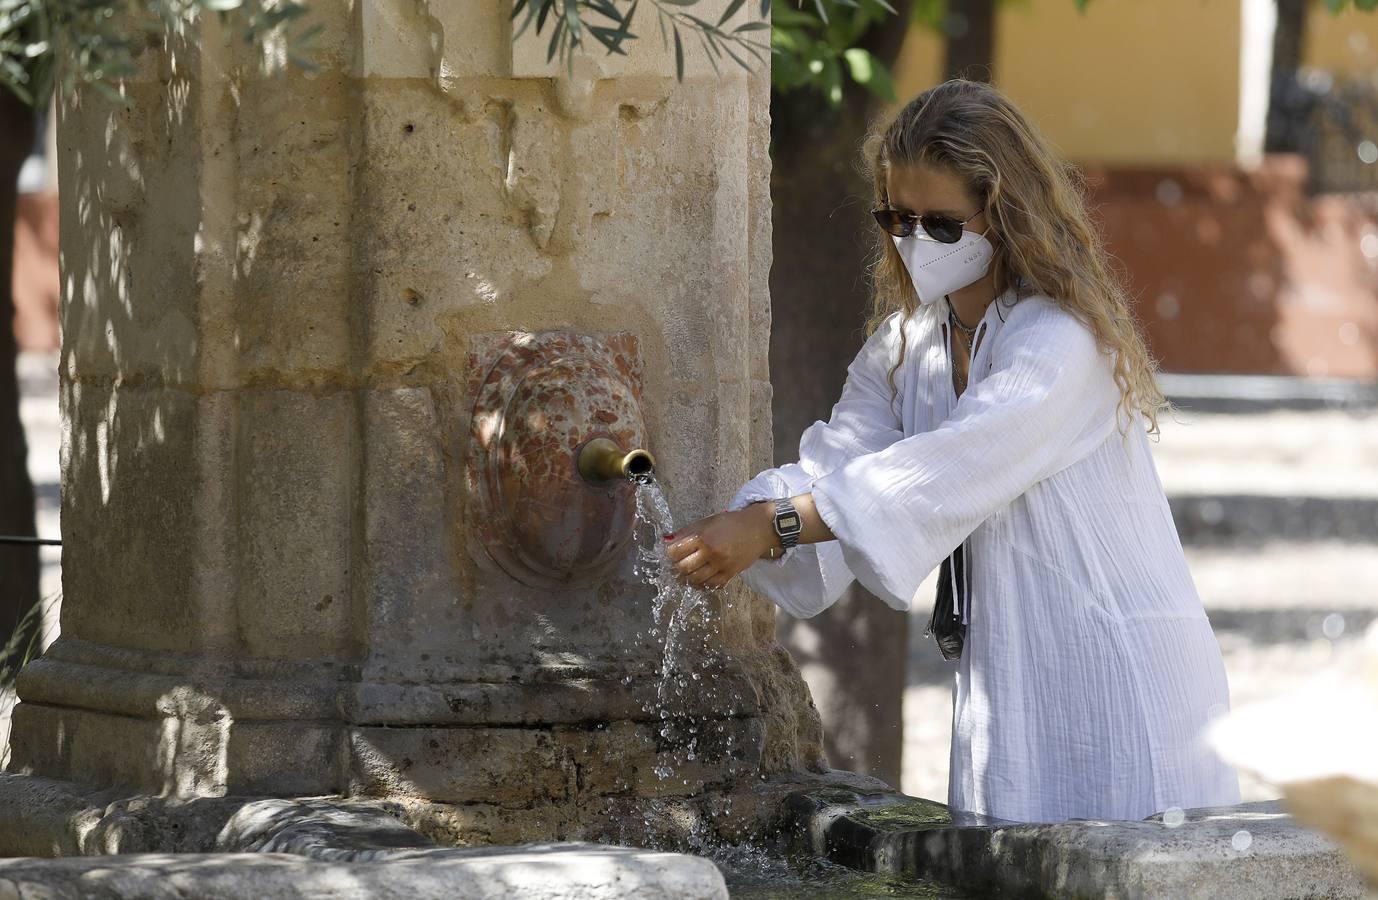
x: 602, y: 460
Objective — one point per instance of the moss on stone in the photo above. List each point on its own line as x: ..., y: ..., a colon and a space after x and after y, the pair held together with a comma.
x: 899, y: 816
x: 853, y: 886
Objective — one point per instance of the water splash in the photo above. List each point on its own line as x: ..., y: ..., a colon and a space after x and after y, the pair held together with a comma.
x: 685, y: 619
x: 675, y: 602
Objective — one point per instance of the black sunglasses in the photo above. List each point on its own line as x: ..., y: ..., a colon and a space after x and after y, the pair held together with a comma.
x: 945, y: 229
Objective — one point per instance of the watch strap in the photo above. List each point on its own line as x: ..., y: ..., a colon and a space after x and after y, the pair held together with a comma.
x: 787, y: 523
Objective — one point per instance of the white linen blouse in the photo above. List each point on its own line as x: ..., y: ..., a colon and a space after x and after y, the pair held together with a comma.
x: 1089, y: 669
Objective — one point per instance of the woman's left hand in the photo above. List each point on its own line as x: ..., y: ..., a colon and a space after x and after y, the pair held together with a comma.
x: 717, y: 548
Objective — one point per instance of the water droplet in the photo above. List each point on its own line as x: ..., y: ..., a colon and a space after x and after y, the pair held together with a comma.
x: 1333, y: 626
x: 1368, y: 151
x: 1242, y: 839
x: 1173, y: 816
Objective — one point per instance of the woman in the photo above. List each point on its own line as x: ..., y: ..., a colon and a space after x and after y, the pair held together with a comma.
x: 997, y: 417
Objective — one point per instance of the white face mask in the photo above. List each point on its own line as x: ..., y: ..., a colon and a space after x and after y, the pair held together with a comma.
x: 938, y: 269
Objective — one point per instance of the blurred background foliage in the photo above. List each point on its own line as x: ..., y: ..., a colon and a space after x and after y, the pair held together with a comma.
x: 44, y: 43
x: 816, y: 45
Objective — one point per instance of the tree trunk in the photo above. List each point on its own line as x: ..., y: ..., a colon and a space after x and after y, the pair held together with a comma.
x: 854, y: 654
x: 971, y: 39
x: 1288, y: 105
x: 18, y: 563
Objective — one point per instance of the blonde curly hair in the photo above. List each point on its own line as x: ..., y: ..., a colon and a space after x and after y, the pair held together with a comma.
x: 1045, y: 242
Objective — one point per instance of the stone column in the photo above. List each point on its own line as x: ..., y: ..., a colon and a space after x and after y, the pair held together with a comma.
x: 320, y: 412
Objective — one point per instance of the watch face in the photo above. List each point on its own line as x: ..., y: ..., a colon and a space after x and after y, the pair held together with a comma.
x: 788, y: 523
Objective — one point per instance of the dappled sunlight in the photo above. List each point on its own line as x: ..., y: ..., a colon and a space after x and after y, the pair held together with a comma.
x: 193, y: 744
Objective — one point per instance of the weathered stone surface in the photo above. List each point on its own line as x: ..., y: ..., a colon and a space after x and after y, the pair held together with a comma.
x: 277, y: 283
x: 129, y: 549
x: 190, y: 753
x: 294, y: 524
x: 554, y: 765
x: 320, y: 829
x: 1217, y: 853
x: 537, y: 871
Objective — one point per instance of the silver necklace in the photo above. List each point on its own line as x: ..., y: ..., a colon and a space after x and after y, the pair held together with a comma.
x: 968, y: 333
x: 968, y: 330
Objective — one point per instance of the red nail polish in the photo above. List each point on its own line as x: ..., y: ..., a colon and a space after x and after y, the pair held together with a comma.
x: 670, y: 536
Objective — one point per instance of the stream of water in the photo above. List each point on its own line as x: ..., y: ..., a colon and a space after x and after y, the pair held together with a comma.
x: 686, y: 619
x: 680, y: 614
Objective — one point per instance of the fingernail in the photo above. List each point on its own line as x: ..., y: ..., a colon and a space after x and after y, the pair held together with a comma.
x: 670, y: 536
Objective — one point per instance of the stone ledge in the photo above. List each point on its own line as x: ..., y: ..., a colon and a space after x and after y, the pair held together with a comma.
x: 532, y: 872
x: 301, y: 848
x: 892, y: 833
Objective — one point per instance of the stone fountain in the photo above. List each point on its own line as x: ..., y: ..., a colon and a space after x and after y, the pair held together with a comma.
x: 360, y: 369
x: 342, y: 356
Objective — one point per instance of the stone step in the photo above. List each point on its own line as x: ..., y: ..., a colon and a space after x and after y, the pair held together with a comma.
x: 1325, y: 453
x: 1249, y: 850
x: 1321, y: 576
x: 1266, y: 393
x: 1256, y: 519
x: 1288, y: 474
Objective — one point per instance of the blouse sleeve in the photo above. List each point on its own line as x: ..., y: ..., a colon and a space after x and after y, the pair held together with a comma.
x: 1048, y: 400
x: 811, y: 577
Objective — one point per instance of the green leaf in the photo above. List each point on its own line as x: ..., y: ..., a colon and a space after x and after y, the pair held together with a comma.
x: 530, y: 14
x: 730, y: 11
x: 627, y: 19
x: 741, y: 62
x: 822, y: 11
x: 1335, y: 6
x: 1081, y: 5
x: 752, y: 48
x: 751, y: 26
x: 788, y: 16
x: 699, y: 22
x: 302, y: 62
x: 610, y: 37
x: 573, y: 23
x: 20, y: 92
x: 679, y: 56
x: 711, y: 60
x: 604, y: 8
x: 554, y: 39
x: 1366, y: 5
x: 307, y: 34
x: 832, y: 80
